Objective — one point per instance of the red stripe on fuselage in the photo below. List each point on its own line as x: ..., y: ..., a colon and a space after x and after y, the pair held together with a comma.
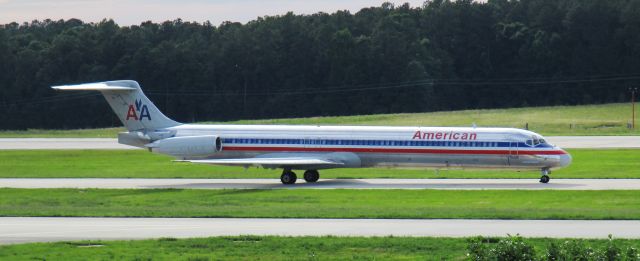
x: 393, y: 150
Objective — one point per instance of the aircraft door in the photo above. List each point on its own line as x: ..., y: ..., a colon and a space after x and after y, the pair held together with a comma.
x: 312, y: 142
x: 513, y: 152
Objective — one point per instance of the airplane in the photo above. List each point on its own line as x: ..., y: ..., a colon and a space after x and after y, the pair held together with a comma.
x: 314, y: 148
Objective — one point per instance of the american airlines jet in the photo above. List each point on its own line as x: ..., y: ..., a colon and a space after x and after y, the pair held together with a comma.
x: 312, y: 148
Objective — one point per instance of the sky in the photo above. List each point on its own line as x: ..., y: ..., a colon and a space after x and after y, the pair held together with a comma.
x: 130, y: 12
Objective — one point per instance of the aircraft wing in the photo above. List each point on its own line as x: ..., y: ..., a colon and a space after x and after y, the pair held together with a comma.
x: 279, y: 162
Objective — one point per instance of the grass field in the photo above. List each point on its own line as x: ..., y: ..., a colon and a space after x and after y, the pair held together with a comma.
x: 272, y: 248
x: 587, y: 163
x: 606, y: 119
x: 309, y: 203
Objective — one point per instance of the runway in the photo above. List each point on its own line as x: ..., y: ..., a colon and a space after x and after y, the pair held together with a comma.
x: 444, y: 184
x: 48, y: 229
x: 595, y: 142
x: 567, y: 142
x: 61, y: 144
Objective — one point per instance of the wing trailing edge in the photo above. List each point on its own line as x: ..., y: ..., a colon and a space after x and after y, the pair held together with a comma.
x: 290, y: 162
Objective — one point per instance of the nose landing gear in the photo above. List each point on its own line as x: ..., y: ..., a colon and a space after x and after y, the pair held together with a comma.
x: 545, y: 175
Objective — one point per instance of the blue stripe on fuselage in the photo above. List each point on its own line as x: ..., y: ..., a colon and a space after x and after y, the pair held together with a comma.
x: 382, y: 143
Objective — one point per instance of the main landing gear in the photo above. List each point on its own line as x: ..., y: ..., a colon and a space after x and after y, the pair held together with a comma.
x: 289, y: 177
x: 545, y: 176
x: 311, y: 175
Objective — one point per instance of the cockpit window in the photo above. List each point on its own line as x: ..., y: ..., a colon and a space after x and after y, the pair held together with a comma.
x: 535, y: 141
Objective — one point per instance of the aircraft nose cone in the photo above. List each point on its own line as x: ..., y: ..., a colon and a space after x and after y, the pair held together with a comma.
x: 565, y: 159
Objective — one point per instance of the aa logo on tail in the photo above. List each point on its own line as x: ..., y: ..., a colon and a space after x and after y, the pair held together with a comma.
x: 140, y: 109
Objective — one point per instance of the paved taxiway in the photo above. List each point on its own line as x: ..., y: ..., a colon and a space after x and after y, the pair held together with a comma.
x: 46, y: 229
x: 61, y: 144
x: 595, y: 142
x: 567, y: 142
x: 453, y: 184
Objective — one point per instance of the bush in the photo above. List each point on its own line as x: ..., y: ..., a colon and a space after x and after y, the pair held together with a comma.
x: 510, y: 248
x: 515, y: 248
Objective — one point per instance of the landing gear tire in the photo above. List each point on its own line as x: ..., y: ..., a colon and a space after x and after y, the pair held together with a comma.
x: 545, y: 176
x: 288, y: 177
x: 544, y: 179
x: 311, y: 176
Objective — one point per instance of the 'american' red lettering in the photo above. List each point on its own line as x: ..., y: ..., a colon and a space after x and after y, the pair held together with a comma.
x: 420, y: 135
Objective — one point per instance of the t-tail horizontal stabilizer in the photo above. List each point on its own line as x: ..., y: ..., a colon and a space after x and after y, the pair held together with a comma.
x: 127, y: 100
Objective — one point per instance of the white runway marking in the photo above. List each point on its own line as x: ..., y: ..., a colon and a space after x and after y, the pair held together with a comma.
x: 566, y: 142
x: 449, y: 184
x: 47, y: 229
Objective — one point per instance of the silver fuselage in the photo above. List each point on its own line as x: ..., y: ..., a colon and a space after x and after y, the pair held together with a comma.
x: 372, y: 146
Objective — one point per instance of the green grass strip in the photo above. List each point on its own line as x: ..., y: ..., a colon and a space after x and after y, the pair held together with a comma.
x: 309, y: 203
x: 271, y: 248
x: 602, y: 119
x: 587, y: 163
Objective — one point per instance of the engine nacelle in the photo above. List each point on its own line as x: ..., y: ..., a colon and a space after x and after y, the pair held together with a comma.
x: 191, y: 146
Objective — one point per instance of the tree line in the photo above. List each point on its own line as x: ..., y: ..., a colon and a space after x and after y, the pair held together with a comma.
x: 440, y: 56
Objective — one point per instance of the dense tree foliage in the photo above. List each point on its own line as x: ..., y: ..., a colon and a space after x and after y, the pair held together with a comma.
x: 440, y: 56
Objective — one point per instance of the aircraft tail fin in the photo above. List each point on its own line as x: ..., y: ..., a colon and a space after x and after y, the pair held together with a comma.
x: 127, y: 100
